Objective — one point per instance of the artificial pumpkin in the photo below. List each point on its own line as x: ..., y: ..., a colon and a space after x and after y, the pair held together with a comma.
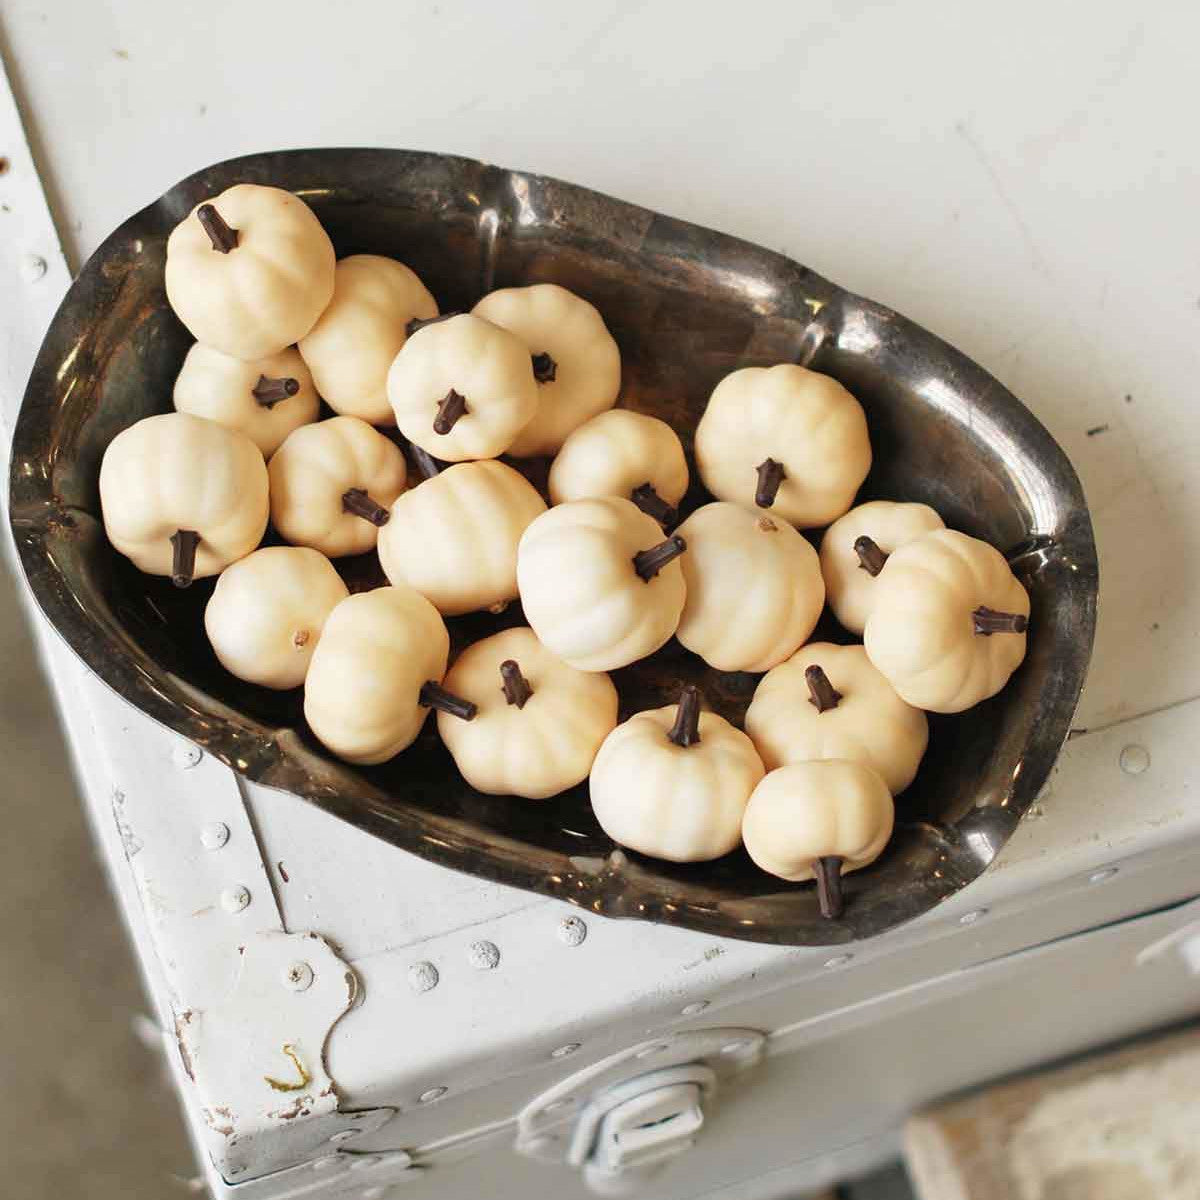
x: 754, y: 588
x: 454, y: 537
x: 673, y: 782
x: 538, y: 721
x: 623, y: 453
x: 332, y: 484
x: 249, y: 271
x: 856, y: 546
x: 462, y: 388
x: 598, y: 582
x: 575, y: 360
x: 786, y: 439
x: 828, y: 701
x: 947, y: 627
x: 183, y: 496
x: 265, y: 398
x: 352, y: 346
x: 819, y: 820
x: 266, y: 614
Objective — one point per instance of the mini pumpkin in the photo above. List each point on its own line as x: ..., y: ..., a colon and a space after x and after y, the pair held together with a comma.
x: 462, y: 388
x: 454, y: 538
x: 266, y: 614
x: 819, y: 820
x: 673, y: 782
x: 856, y: 546
x: 352, y: 346
x: 183, y: 496
x: 538, y: 721
x: 575, y: 360
x: 598, y: 582
x: 376, y: 673
x: 249, y: 271
x: 828, y: 701
x: 784, y: 438
x: 623, y: 453
x: 947, y: 627
x: 332, y: 484
x: 754, y: 588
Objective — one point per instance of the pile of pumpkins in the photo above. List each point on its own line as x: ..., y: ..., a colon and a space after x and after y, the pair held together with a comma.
x: 605, y: 576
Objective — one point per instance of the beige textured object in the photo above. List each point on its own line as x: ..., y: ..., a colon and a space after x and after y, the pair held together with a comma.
x: 577, y: 363
x: 320, y: 470
x: 754, y: 588
x: 267, y: 288
x: 539, y: 721
x: 784, y: 438
x: 849, y: 711
x: 352, y: 347
x: 851, y: 566
x: 948, y: 624
x: 266, y: 614
x: 454, y: 537
x: 265, y: 398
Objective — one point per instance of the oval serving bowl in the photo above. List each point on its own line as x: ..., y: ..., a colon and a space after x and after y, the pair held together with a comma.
x: 687, y: 305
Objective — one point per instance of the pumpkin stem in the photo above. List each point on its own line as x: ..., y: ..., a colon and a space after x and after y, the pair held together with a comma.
x: 269, y: 392
x: 828, y: 871
x: 450, y: 408
x: 357, y: 501
x: 544, y: 368
x: 686, y: 730
x: 822, y: 694
x: 183, y: 560
x: 653, y: 505
x: 515, y: 686
x: 427, y: 466
x: 870, y: 557
x: 770, y: 475
x: 433, y: 695
x: 989, y: 621
x: 648, y: 563
x: 223, y: 237
x: 420, y: 322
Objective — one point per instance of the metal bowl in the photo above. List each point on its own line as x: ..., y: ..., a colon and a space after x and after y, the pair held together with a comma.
x: 687, y: 306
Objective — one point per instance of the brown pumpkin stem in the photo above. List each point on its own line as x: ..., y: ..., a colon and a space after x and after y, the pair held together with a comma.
x: 515, y: 686
x: 822, y: 694
x: 183, y: 560
x: 427, y: 466
x: 450, y: 408
x: 544, y: 368
x: 770, y: 476
x: 653, y: 505
x: 648, y: 563
x: 420, y: 322
x: 357, y: 501
x: 870, y: 557
x: 686, y: 730
x: 989, y: 621
x: 828, y: 871
x: 433, y: 695
x: 269, y: 392
x: 223, y: 237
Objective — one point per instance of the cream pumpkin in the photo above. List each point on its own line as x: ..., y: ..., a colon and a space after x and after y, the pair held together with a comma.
x: 575, y: 360
x: 352, y: 347
x: 598, y: 583
x: 332, y: 485
x: 947, y: 627
x: 266, y: 614
x: 249, y: 271
x: 784, y: 438
x: 622, y: 453
x: 462, y: 388
x: 819, y: 820
x: 182, y: 496
x: 856, y: 546
x: 538, y: 721
x: 754, y: 588
x: 828, y: 701
x: 454, y: 538
x: 265, y: 398
x: 673, y: 782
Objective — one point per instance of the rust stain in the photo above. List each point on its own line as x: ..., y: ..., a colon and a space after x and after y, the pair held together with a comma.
x: 280, y: 1085
x: 223, y: 1127
x: 301, y: 1107
x: 185, y: 1055
x: 283, y: 874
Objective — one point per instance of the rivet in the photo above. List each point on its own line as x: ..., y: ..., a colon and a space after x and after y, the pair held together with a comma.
x: 214, y: 835
x: 971, y: 917
x: 234, y: 899
x: 1103, y: 874
x: 422, y: 977
x: 187, y: 756
x: 736, y: 1047
x: 691, y: 1010
x: 298, y: 977
x: 483, y: 956
x: 572, y: 930
x: 434, y: 1093
x: 344, y: 1135
x: 563, y: 1051
x: 33, y: 267
x: 838, y: 960
x: 324, y: 1164
x: 1134, y: 759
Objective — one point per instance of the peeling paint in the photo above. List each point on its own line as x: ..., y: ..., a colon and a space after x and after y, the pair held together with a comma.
x: 219, y: 1120
x: 280, y: 1085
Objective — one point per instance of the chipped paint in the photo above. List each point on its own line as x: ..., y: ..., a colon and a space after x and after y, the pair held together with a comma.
x: 280, y: 1085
